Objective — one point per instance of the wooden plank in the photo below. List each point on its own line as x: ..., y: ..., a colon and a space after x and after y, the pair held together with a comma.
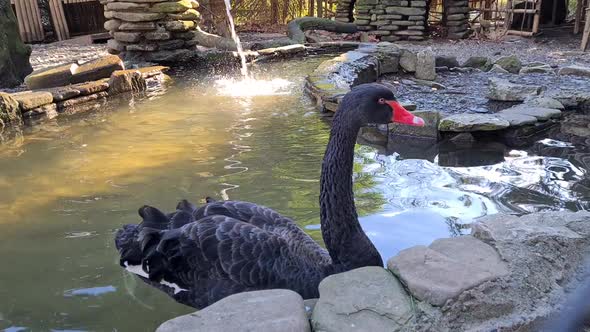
x: 59, y: 19
x: 520, y: 33
x: 37, y: 20
x: 586, y: 34
x: 515, y: 11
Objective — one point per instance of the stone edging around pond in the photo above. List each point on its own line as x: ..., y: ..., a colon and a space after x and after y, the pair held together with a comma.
x: 334, y: 78
x: 70, y: 88
x: 511, y: 273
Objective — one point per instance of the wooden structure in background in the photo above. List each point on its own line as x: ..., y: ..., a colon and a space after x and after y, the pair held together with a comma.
x: 586, y: 34
x: 83, y: 17
x: 29, y: 20
x: 69, y: 17
x: 532, y: 7
x: 59, y: 20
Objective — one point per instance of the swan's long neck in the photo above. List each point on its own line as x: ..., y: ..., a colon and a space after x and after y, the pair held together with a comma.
x: 345, y: 240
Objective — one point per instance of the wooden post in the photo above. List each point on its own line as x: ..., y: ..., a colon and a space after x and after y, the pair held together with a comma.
x: 59, y: 19
x: 508, y: 18
x: 312, y: 8
x: 554, y: 13
x: 586, y: 34
x: 578, y: 16
x: 537, y: 16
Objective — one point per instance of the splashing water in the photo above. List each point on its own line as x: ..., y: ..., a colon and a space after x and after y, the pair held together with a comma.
x: 250, y: 87
x: 236, y: 39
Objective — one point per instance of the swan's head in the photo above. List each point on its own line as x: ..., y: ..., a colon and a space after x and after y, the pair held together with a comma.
x: 375, y: 103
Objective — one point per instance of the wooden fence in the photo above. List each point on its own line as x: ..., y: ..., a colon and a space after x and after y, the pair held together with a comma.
x: 69, y: 18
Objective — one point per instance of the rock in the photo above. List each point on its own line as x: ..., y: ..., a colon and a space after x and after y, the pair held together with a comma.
x: 126, y: 6
x: 48, y: 111
x: 158, y: 35
x: 51, y: 77
x: 29, y: 99
x: 116, y: 46
x: 408, y: 60
x: 9, y: 110
x: 447, y: 61
x: 127, y: 37
x: 172, y: 7
x: 446, y: 268
x: 179, y: 25
x: 63, y: 93
x: 80, y: 100
x: 14, y: 54
x: 498, y: 70
x: 405, y: 11
x: 138, y: 17
x: 170, y: 56
x: 516, y: 119
x: 425, y: 65
x: 575, y: 70
x: 429, y: 131
x: 309, y: 305
x: 143, y: 47
x: 472, y: 122
x: 189, y: 15
x: 478, y: 62
x: 539, y: 113
x: 365, y: 299
x: 172, y: 44
x: 112, y: 25
x: 97, y: 69
x: 504, y: 90
x: 89, y: 88
x: 147, y: 72
x: 544, y: 102
x: 509, y: 63
x: 137, y: 26
x: 260, y: 311
x: 544, y: 69
x: 130, y: 80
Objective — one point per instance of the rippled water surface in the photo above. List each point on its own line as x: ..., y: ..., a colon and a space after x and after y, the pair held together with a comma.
x: 65, y: 187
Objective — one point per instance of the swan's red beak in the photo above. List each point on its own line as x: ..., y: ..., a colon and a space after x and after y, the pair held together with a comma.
x: 402, y: 115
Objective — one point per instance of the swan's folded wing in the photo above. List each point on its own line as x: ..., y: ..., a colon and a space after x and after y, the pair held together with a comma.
x: 257, y: 215
x: 220, y: 251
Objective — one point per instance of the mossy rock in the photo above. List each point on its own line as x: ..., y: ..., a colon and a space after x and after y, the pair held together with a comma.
x: 14, y: 54
x: 32, y: 99
x: 189, y: 15
x: 9, y: 110
x: 179, y: 25
x: 509, y: 63
x: 172, y: 7
x: 479, y: 62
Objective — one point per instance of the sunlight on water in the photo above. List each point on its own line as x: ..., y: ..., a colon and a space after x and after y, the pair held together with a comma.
x: 250, y: 87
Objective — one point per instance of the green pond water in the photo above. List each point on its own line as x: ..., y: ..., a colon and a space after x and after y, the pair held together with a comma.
x: 66, y: 186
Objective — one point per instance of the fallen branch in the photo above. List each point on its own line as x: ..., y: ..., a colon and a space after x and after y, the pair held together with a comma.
x: 296, y: 28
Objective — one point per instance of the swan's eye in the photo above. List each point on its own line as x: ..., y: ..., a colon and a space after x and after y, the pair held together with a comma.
x: 382, y: 101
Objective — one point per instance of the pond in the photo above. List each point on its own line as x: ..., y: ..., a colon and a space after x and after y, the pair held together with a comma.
x: 66, y: 186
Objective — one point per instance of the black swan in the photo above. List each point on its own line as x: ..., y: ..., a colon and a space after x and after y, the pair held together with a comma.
x: 201, y: 255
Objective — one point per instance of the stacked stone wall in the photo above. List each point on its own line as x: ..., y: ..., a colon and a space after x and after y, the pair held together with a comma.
x: 152, y: 28
x: 392, y: 20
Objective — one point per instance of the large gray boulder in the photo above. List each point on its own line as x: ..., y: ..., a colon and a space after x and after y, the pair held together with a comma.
x: 545, y: 102
x: 504, y: 90
x: 446, y: 268
x: 365, y: 299
x: 14, y: 54
x: 260, y: 311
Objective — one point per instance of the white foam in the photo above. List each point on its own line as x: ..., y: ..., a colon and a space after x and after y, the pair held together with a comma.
x: 136, y: 269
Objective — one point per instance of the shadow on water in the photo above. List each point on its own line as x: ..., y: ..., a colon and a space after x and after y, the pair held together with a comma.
x: 67, y: 185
